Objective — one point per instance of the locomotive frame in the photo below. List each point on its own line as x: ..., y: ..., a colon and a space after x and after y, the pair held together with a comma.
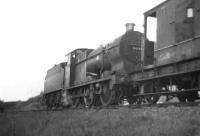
x: 168, y: 67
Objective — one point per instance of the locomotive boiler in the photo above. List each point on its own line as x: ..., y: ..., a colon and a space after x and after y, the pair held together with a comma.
x: 98, y: 62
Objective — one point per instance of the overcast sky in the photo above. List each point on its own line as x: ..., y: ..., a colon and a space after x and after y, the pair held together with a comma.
x: 36, y: 34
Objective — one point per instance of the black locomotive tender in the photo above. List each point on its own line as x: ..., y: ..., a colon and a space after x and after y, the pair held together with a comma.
x: 133, y: 68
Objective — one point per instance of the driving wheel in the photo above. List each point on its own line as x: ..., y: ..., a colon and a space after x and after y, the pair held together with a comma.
x: 89, y: 96
x: 106, y: 95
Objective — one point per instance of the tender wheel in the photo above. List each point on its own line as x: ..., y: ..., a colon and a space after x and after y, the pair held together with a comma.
x: 89, y: 97
x: 106, y: 95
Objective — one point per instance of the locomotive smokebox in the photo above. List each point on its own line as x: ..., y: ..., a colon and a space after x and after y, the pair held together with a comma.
x: 130, y: 27
x: 125, y: 51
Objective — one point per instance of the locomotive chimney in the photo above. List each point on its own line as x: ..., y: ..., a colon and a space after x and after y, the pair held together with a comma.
x: 130, y: 27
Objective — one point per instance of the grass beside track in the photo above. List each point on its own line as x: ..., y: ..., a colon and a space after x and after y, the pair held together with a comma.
x: 149, y: 121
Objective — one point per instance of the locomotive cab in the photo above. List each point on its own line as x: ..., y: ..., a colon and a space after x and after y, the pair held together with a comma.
x: 75, y: 70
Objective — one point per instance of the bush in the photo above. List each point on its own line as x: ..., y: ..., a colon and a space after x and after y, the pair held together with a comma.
x: 36, y: 99
x: 1, y: 106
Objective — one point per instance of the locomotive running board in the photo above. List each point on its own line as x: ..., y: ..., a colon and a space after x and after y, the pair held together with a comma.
x: 88, y: 83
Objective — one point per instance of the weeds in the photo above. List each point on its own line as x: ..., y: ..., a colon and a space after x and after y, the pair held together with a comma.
x: 171, y: 121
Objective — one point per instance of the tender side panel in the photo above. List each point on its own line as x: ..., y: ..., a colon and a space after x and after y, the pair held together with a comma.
x: 54, y: 79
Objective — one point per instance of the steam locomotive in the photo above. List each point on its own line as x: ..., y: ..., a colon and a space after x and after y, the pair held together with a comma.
x: 133, y: 68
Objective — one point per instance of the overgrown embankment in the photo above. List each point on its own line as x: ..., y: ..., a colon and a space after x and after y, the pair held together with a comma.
x: 34, y: 103
x: 170, y: 121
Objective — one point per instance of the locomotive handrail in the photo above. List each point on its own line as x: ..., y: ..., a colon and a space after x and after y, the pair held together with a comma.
x: 185, y: 41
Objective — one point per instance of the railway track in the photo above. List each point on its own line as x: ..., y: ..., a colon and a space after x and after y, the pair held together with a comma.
x: 131, y: 106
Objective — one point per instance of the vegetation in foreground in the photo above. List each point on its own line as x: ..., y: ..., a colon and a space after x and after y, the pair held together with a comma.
x: 171, y: 121
x: 33, y: 103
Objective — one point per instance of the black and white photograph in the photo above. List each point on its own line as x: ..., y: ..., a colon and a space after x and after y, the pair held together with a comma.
x: 100, y: 68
